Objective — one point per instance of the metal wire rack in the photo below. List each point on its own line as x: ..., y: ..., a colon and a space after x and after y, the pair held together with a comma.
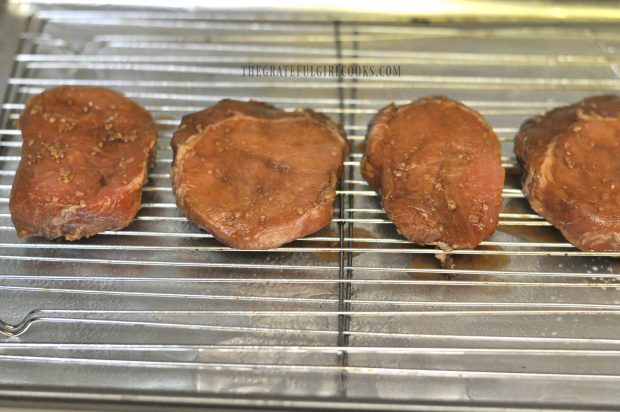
x: 352, y: 316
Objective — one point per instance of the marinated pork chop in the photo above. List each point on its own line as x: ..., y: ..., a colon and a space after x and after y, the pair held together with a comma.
x: 254, y: 176
x: 84, y: 161
x: 437, y: 165
x: 571, y: 162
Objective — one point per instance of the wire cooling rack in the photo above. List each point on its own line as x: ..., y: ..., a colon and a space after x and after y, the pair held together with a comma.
x: 352, y: 316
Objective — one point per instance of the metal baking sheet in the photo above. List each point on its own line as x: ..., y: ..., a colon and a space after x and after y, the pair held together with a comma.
x: 352, y: 313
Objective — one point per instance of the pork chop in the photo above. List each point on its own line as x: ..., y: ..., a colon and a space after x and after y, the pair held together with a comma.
x: 255, y: 176
x: 571, y: 163
x: 84, y: 160
x: 437, y: 165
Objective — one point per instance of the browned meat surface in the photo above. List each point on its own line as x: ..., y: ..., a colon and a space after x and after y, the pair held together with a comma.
x: 254, y: 176
x: 571, y: 162
x: 84, y: 161
x: 437, y: 165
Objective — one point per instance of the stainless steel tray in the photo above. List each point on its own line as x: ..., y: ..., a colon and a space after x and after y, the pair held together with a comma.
x: 353, y: 316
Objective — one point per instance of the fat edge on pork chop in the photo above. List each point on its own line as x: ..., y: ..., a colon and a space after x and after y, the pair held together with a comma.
x: 254, y: 176
x: 437, y: 166
x: 84, y: 160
